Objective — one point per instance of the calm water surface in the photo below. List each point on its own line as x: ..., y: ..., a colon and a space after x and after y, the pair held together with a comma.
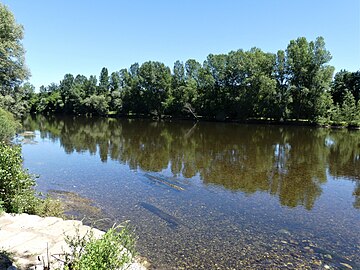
x: 211, y: 195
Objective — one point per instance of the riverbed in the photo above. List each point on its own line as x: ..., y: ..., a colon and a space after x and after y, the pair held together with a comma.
x: 209, y: 195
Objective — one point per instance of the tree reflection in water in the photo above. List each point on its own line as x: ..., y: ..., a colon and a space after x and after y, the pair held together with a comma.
x: 285, y: 161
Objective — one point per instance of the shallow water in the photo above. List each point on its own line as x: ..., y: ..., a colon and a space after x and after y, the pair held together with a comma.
x: 210, y: 195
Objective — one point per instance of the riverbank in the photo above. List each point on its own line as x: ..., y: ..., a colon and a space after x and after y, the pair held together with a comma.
x: 31, y: 242
x: 255, y: 121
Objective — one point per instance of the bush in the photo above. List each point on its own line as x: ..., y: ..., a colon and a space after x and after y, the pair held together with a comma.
x: 114, y: 250
x: 8, y: 125
x: 16, y: 193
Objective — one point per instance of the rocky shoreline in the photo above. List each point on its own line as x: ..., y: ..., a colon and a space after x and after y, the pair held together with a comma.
x: 32, y: 242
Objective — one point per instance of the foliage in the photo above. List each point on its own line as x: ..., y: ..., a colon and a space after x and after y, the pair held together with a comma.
x: 16, y: 193
x: 291, y: 84
x: 49, y: 207
x: 13, y: 69
x: 112, y: 251
x: 345, y: 81
x: 8, y: 125
x: 13, y: 96
x: 295, y: 83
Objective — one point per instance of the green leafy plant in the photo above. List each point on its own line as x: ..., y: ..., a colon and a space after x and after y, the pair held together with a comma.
x: 8, y: 125
x: 49, y: 207
x: 114, y: 250
x: 16, y: 192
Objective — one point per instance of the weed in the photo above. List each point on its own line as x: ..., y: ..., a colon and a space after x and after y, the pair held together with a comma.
x: 114, y: 250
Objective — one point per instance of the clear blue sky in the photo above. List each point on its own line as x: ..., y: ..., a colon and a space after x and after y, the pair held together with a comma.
x: 81, y: 37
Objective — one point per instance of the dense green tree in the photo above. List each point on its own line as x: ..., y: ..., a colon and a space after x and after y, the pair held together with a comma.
x: 96, y: 104
x: 281, y: 106
x: 115, y: 97
x: 91, y: 85
x: 12, y: 54
x: 291, y: 84
x: 309, y: 76
x: 345, y: 81
x: 133, y: 101
x: 13, y: 96
x: 349, y: 110
x: 155, y: 83
x: 192, y: 68
x: 104, y: 82
x: 180, y: 91
x: 65, y: 89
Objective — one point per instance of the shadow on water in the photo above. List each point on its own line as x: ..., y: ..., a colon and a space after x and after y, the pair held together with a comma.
x: 172, y: 222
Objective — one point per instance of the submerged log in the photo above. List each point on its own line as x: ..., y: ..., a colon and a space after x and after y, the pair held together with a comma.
x: 172, y: 221
x: 163, y: 181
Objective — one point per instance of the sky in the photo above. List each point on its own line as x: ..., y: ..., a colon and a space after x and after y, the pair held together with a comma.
x: 81, y: 37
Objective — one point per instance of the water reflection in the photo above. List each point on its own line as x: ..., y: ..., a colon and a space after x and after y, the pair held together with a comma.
x: 288, y: 162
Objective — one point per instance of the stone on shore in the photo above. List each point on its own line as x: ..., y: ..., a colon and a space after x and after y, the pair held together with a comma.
x: 29, y: 239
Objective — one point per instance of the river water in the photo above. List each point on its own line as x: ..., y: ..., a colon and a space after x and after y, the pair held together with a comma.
x: 209, y: 195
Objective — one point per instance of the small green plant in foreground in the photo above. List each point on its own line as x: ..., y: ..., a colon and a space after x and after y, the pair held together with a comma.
x: 114, y: 250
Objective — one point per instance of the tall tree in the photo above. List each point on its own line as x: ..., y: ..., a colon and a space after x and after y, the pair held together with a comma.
x: 309, y: 76
x: 115, y: 92
x: 155, y: 82
x: 65, y: 89
x: 345, y: 81
x: 283, y: 100
x: 12, y: 54
x: 91, y: 85
x: 178, y: 85
x: 104, y: 81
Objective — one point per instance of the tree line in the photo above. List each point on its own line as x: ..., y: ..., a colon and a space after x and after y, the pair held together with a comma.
x: 295, y: 83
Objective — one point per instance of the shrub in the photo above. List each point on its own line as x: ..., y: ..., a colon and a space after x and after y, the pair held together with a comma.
x: 16, y: 186
x: 8, y: 125
x: 114, y: 250
x: 49, y: 207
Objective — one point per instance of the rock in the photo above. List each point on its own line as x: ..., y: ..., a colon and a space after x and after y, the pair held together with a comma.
x: 29, y: 237
x: 328, y: 256
x: 317, y: 262
x: 326, y: 266
x: 283, y: 231
x: 346, y: 265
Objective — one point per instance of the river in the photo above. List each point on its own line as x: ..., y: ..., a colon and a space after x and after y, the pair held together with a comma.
x: 208, y: 195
